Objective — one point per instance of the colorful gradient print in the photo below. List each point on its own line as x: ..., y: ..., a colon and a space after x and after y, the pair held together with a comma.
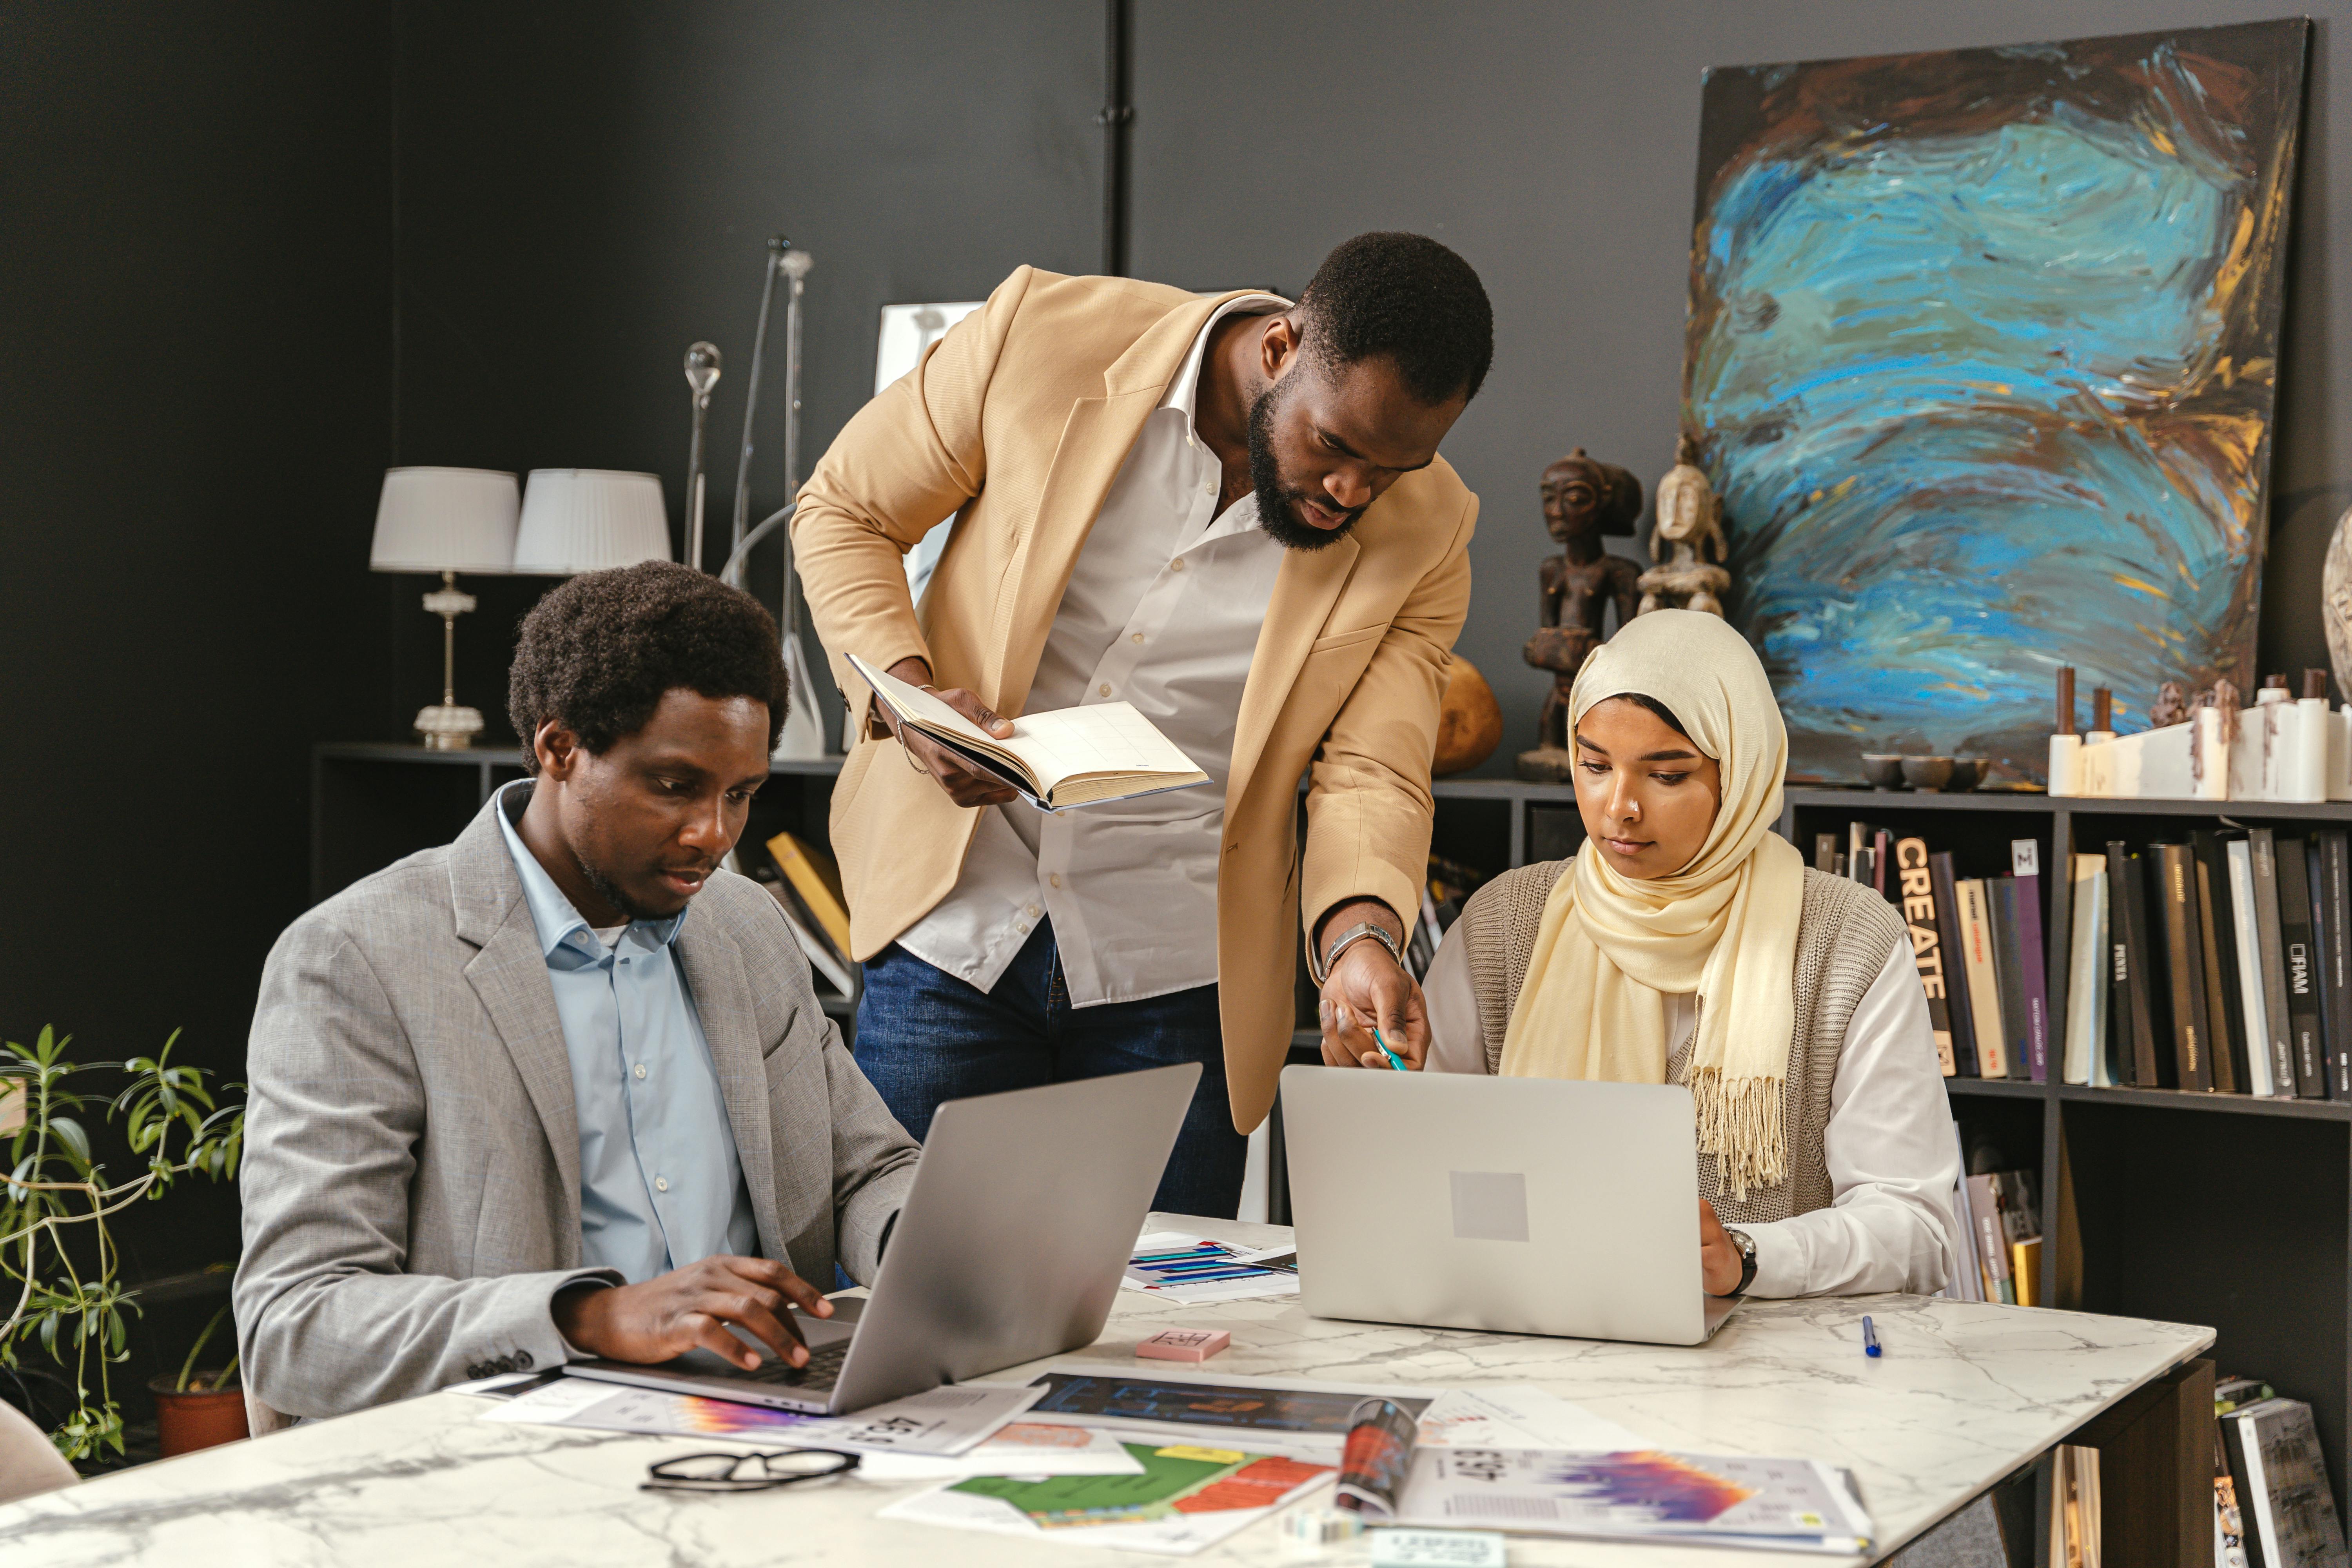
x: 1658, y: 1487
x: 1981, y: 358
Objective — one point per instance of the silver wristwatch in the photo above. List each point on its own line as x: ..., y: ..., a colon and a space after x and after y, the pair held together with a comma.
x: 1348, y: 939
x: 1747, y: 1245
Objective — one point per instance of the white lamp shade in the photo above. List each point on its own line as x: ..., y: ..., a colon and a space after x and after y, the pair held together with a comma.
x: 587, y: 520
x: 444, y: 519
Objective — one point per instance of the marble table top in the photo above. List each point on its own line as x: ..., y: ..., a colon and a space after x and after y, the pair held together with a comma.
x: 1965, y: 1393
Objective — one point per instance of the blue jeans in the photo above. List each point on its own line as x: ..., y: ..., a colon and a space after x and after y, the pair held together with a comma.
x: 925, y: 1036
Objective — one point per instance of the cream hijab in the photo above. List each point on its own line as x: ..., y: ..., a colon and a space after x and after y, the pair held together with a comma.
x: 1610, y: 948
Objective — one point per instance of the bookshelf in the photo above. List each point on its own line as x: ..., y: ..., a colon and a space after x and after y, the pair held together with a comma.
x: 2205, y: 1209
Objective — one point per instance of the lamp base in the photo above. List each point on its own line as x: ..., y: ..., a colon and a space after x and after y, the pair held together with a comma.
x: 448, y: 729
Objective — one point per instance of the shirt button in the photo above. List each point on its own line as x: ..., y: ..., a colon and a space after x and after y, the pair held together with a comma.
x: 1136, y: 639
x: 1020, y: 930
x: 1176, y: 566
x: 1104, y: 688
x: 1035, y: 912
x: 639, y: 1069
x: 1055, y: 878
x: 661, y: 1184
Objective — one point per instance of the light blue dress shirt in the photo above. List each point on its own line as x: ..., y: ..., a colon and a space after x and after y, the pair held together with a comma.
x: 660, y: 1184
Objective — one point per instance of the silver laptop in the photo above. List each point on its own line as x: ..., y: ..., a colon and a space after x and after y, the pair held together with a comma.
x: 1520, y: 1205
x: 1023, y: 1213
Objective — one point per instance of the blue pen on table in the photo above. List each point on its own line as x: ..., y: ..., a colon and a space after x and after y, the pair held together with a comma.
x: 1869, y: 1336
x: 1394, y: 1060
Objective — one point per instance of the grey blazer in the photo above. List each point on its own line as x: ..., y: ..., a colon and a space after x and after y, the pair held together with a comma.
x: 411, y: 1166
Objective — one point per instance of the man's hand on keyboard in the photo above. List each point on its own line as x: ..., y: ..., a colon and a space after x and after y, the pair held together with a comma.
x: 690, y: 1308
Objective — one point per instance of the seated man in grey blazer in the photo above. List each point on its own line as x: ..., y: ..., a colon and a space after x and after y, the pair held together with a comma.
x: 561, y: 1088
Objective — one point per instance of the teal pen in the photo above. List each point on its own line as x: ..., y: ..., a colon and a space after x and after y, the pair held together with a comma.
x: 1394, y: 1060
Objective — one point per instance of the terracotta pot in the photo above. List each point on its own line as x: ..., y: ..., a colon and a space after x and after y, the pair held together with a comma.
x: 189, y: 1421
x: 1469, y: 722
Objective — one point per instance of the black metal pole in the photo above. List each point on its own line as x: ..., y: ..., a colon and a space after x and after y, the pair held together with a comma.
x: 1116, y: 111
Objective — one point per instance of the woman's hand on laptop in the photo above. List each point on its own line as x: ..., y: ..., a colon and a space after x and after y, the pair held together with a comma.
x: 691, y: 1309
x: 1718, y: 1256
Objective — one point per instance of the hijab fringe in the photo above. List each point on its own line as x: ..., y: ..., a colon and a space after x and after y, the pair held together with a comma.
x: 1739, y: 1124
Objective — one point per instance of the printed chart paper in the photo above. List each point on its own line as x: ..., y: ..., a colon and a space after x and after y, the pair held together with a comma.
x: 1185, y: 1497
x: 943, y: 1422
x: 1192, y: 1269
x: 1643, y: 1495
x: 1023, y: 1448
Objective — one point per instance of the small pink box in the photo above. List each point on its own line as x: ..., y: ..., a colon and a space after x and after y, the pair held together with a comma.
x: 1184, y: 1344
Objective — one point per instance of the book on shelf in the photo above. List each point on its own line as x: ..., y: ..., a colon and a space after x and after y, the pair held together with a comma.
x: 1992, y: 1249
x: 1825, y: 854
x: 2134, y: 994
x: 2184, y: 966
x: 2025, y: 895
x: 2004, y: 1220
x: 2297, y: 951
x: 2086, y: 989
x: 830, y: 967
x: 2009, y: 973
x: 2281, y: 1483
x: 817, y: 881
x: 2252, y: 993
x: 2268, y: 929
x: 1985, y: 999
x: 1967, y: 1283
x: 1917, y: 886
x: 2334, y: 880
x: 2225, y: 1015
x: 1959, y: 1010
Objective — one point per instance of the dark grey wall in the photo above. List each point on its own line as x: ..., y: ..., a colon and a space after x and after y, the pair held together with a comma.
x: 1554, y: 145
x: 195, y: 384
x: 586, y: 190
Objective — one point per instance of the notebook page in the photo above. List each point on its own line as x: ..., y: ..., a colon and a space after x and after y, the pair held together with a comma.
x: 1100, y: 738
x: 923, y: 707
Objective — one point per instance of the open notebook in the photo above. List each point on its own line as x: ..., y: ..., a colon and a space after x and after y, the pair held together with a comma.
x: 1073, y: 757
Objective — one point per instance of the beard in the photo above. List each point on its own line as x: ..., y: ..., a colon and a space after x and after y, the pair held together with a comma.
x: 611, y: 893
x: 1275, y: 500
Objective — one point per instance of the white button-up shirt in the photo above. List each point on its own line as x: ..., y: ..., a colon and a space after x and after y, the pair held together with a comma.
x: 1162, y: 610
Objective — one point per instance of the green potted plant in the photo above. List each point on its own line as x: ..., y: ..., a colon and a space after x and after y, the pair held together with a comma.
x: 199, y: 1409
x: 55, y: 1200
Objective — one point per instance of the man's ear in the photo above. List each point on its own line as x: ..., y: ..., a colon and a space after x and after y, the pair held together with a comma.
x: 557, y: 748
x: 1279, y: 344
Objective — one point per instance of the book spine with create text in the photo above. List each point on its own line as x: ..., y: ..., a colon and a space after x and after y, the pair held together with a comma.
x: 1918, y: 902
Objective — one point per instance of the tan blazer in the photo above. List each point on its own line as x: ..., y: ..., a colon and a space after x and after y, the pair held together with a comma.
x: 1018, y: 419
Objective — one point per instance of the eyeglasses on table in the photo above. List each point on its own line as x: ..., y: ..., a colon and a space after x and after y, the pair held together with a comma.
x: 746, y: 1472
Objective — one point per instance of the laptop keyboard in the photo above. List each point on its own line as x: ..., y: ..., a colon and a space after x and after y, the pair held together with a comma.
x: 824, y: 1369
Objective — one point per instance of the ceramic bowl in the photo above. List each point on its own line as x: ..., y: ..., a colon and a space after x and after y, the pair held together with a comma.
x: 1883, y: 770
x: 1927, y: 772
x: 1966, y: 774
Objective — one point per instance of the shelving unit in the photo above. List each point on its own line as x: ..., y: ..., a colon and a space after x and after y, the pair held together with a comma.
x: 2206, y: 1208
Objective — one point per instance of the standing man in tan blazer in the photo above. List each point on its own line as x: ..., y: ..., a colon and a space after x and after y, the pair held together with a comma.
x: 1228, y: 510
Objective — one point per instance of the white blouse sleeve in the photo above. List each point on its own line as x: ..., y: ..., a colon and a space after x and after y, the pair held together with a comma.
x: 1457, y: 1038
x: 1893, y: 1160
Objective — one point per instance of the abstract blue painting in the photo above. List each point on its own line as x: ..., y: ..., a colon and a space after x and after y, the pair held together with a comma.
x: 1981, y: 357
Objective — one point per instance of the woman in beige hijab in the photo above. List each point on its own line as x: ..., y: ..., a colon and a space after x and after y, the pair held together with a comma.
x: 1689, y: 943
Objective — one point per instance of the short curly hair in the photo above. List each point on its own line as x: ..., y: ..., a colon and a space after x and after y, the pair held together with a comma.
x: 1405, y: 298
x: 600, y: 650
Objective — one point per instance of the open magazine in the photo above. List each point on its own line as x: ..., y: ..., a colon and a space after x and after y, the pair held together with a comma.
x: 1057, y: 761
x: 1388, y: 1474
